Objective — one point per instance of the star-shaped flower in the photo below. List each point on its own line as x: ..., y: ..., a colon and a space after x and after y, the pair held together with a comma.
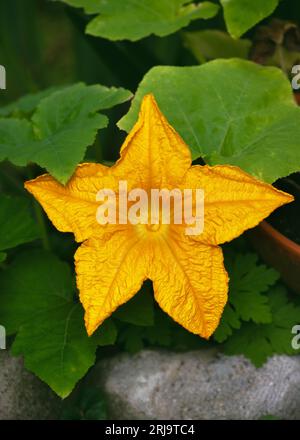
x: 189, y: 279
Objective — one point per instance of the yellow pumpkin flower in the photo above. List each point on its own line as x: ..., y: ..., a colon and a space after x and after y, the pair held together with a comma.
x: 189, y: 279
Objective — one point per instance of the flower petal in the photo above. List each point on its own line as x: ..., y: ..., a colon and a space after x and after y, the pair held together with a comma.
x: 72, y: 208
x: 190, y: 283
x: 233, y: 201
x: 109, y: 272
x: 153, y: 151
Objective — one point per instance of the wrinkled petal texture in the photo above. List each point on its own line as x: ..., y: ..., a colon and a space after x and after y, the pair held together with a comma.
x: 233, y: 201
x: 71, y: 208
x: 188, y: 275
x: 109, y: 272
x: 153, y: 151
x: 190, y: 283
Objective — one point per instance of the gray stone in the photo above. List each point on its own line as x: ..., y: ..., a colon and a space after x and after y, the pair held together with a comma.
x: 198, y: 385
x: 22, y: 395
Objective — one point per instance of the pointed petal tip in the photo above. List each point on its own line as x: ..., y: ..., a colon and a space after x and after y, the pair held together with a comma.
x: 149, y: 109
x: 32, y: 185
x: 149, y: 97
x: 148, y: 103
x: 28, y: 185
x: 208, y: 332
x: 290, y: 198
x: 284, y: 197
x: 90, y: 324
x: 89, y: 328
x: 90, y: 332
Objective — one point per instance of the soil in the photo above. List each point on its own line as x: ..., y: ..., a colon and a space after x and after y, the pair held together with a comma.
x: 287, y: 218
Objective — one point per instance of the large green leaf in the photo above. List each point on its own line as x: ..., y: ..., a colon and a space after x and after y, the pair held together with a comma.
x: 241, y: 15
x: 28, y: 103
x: 62, y: 127
x: 17, y: 225
x: 229, y: 112
x: 56, y: 347
x: 37, y: 302
x: 16, y: 140
x: 35, y: 283
x: 135, y: 19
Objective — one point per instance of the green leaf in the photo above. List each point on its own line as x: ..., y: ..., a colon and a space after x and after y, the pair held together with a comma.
x: 248, y: 282
x: 139, y: 310
x: 131, y: 338
x: 17, y: 225
x: 28, y: 103
x: 258, y: 342
x: 56, y: 347
x: 229, y: 112
x: 230, y: 320
x: 133, y: 20
x: 36, y: 282
x: 90, y: 404
x: 2, y: 257
x: 65, y: 124
x: 16, y: 140
x: 241, y: 15
x: 107, y: 333
x: 62, y: 127
x: 37, y: 302
x: 160, y: 334
x: 211, y: 44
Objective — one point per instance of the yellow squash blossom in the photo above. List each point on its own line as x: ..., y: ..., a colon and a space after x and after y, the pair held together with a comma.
x: 188, y: 275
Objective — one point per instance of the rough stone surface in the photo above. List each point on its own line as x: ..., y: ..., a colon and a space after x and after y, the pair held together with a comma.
x: 22, y: 395
x: 198, y: 385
